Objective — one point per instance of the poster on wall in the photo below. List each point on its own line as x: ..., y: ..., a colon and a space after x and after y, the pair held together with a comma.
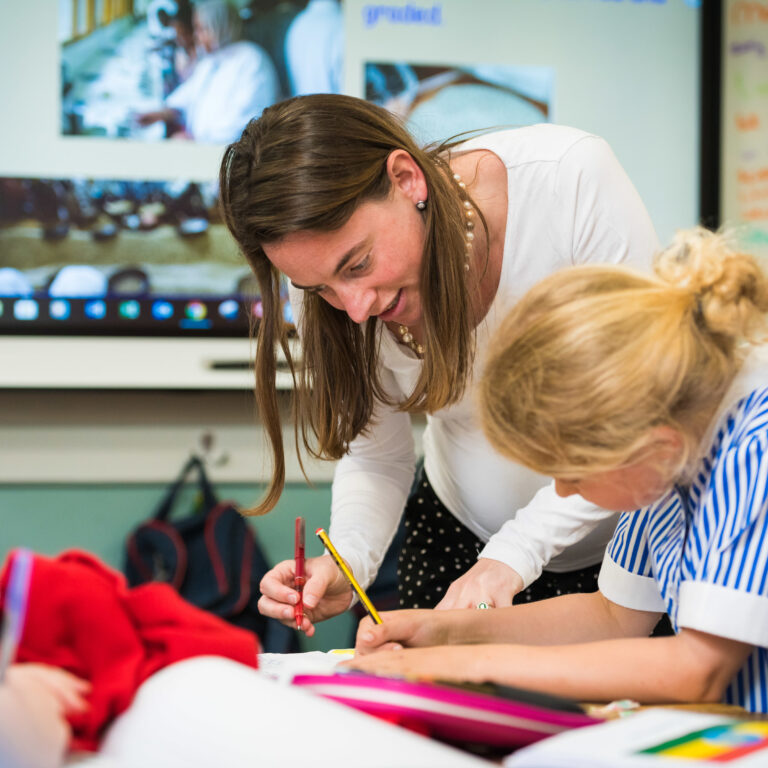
x: 744, y: 159
x: 193, y: 71
x: 439, y: 102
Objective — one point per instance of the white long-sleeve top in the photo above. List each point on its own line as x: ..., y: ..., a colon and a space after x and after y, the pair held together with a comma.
x: 569, y: 202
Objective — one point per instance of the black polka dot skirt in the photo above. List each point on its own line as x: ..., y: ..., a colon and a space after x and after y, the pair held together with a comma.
x: 438, y: 549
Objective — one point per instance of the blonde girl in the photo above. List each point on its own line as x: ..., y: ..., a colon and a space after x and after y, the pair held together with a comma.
x: 643, y: 395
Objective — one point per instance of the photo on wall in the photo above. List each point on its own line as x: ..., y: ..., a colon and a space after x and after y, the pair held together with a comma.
x: 151, y: 70
x: 438, y: 102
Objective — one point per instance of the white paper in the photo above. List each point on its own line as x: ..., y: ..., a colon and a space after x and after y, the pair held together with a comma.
x: 616, y: 744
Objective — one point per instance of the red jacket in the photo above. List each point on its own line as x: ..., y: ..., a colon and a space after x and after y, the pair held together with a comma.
x: 81, y: 616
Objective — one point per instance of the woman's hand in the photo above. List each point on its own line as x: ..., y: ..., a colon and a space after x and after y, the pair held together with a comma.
x: 148, y: 118
x: 326, y: 592
x: 487, y: 581
x: 403, y: 628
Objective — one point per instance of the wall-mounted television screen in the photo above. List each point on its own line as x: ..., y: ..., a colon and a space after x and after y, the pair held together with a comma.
x: 115, y: 267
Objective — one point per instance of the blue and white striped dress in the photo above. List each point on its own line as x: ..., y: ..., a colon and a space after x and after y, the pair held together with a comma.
x: 701, y: 552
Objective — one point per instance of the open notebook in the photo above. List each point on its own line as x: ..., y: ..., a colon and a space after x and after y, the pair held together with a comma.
x: 483, y: 716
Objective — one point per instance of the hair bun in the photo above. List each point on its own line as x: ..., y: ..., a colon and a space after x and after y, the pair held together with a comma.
x: 729, y: 291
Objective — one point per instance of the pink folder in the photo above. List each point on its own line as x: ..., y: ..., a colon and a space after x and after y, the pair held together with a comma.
x: 484, y: 715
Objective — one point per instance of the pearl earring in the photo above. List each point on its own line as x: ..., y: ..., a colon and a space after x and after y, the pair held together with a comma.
x: 406, y: 337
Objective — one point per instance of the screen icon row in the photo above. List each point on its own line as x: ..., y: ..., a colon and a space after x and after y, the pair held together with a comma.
x: 27, y: 310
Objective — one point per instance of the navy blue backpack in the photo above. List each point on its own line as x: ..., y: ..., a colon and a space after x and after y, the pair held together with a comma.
x: 211, y: 557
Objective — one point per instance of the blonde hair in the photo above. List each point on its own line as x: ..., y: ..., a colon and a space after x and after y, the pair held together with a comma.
x: 594, y: 357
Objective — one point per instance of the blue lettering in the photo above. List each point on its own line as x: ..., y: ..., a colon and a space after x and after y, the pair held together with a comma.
x: 370, y: 15
x: 403, y: 14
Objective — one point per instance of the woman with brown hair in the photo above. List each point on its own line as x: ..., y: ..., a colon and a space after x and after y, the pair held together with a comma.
x: 402, y: 262
x: 648, y: 395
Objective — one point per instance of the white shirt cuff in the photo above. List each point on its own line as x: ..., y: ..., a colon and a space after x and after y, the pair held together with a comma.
x: 724, y: 612
x: 514, y: 557
x: 631, y: 590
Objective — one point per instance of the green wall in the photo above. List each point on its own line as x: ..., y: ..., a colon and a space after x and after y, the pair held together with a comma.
x: 97, y: 518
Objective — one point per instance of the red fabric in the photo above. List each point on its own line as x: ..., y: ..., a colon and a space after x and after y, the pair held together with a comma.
x: 83, y: 617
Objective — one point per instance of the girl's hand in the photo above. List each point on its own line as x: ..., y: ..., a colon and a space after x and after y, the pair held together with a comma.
x: 402, y: 628
x: 35, y: 701
x: 326, y: 592
x: 444, y: 663
x: 50, y: 689
x: 487, y: 581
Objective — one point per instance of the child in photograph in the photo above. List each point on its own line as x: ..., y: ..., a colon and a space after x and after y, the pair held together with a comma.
x: 649, y: 396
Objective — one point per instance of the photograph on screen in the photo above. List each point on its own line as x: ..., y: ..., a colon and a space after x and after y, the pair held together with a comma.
x: 150, y: 70
x: 170, y: 232
x: 438, y: 102
x: 80, y: 253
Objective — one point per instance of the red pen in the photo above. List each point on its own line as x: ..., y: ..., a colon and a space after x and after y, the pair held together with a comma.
x: 299, y: 577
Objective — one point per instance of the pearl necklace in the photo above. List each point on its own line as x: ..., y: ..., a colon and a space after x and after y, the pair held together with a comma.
x: 406, y: 337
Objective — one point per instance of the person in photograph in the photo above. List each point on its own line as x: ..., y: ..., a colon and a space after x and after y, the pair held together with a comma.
x: 314, y: 49
x: 402, y: 262
x: 169, y: 24
x: 233, y: 80
x: 648, y: 395
x: 266, y: 23
x: 184, y: 44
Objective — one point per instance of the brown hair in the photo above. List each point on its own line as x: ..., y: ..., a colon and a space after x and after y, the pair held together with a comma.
x: 306, y: 165
x: 595, y: 356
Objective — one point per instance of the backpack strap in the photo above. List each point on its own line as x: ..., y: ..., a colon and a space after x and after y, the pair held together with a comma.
x: 214, y: 555
x: 165, y: 507
x: 249, y: 545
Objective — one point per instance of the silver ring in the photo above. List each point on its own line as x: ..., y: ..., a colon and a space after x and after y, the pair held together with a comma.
x: 483, y: 605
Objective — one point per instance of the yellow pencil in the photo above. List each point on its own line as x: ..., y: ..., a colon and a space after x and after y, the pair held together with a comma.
x: 323, y: 536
